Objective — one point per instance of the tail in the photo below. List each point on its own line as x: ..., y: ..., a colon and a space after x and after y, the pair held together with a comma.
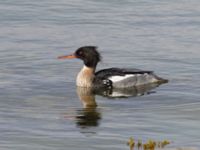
x: 161, y: 80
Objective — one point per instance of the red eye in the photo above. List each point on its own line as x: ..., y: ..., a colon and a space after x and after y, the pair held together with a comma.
x: 80, y: 53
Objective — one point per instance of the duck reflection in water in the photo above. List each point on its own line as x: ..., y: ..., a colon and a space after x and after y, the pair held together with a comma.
x: 90, y: 115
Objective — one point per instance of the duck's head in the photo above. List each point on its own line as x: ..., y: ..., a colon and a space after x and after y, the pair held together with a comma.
x: 88, y: 54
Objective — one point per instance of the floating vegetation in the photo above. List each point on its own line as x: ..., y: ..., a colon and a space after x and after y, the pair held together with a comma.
x: 149, y: 145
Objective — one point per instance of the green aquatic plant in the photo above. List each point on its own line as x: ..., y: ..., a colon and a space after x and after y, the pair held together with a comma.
x: 149, y: 145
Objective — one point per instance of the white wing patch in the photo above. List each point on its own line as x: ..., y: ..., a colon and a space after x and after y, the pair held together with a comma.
x: 118, y: 94
x: 120, y: 78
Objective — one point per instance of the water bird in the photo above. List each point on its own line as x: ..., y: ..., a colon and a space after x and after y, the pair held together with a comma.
x: 108, y: 78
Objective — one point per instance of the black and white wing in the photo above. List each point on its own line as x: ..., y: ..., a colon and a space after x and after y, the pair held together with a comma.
x: 122, y: 78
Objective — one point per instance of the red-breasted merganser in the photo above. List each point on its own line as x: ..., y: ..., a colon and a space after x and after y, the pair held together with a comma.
x: 111, y: 77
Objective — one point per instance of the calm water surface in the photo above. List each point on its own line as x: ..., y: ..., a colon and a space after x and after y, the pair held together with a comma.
x: 39, y: 103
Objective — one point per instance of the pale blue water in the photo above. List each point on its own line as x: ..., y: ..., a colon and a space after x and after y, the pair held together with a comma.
x: 39, y: 106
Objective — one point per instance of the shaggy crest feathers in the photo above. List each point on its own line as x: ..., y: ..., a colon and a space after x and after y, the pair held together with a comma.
x: 89, y: 55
